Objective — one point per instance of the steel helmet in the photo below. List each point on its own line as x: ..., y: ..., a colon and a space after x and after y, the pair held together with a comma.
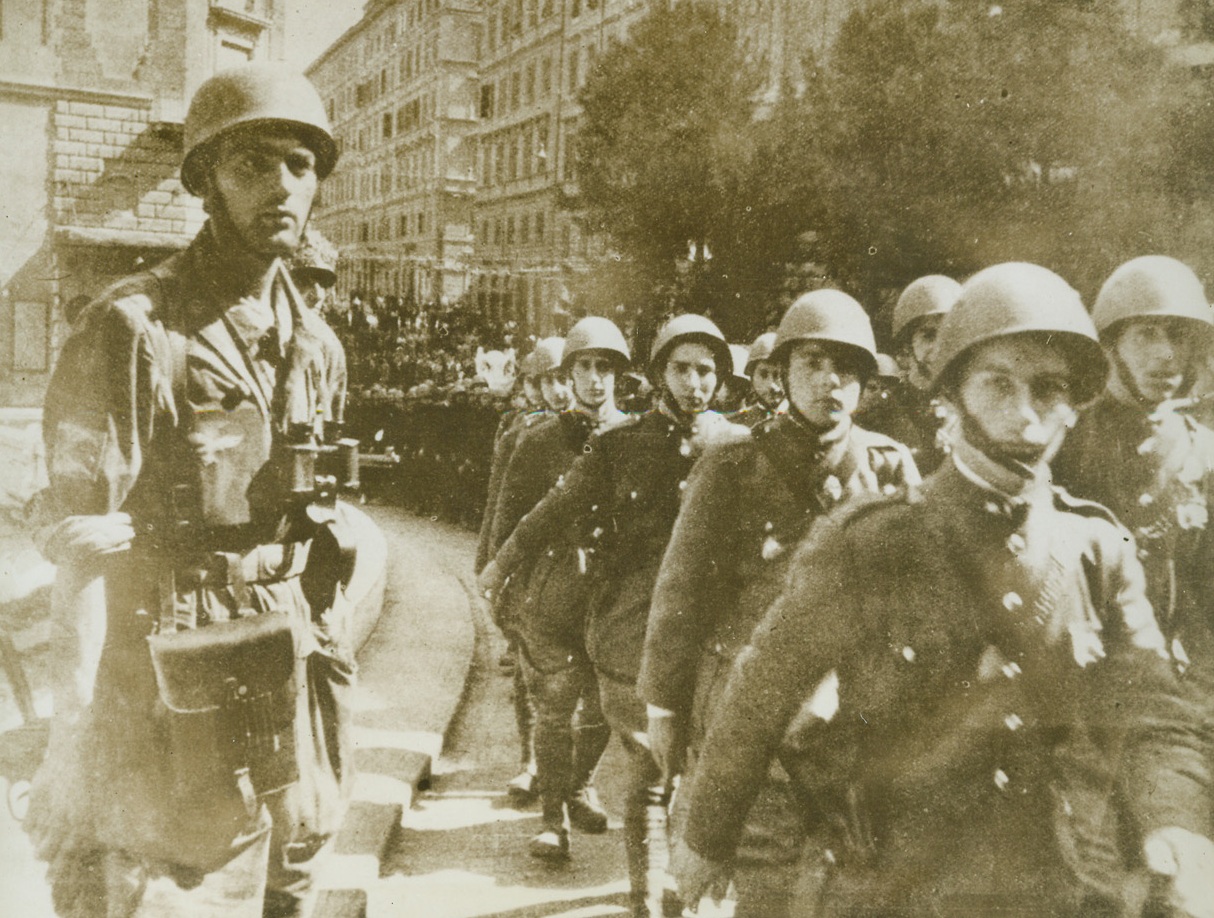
x: 887, y: 367
x: 739, y: 357
x: 688, y: 328
x: 831, y: 316
x: 546, y: 357
x: 760, y: 350
x: 594, y: 333
x: 1152, y: 285
x: 252, y: 94
x: 1019, y: 298
x: 933, y: 295
x: 317, y: 257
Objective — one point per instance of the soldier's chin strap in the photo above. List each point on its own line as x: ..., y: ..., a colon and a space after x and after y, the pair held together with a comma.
x: 1023, y: 459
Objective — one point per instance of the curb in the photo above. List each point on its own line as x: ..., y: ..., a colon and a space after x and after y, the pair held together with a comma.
x: 414, y: 660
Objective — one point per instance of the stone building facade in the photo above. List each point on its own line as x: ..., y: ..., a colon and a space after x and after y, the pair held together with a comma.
x: 401, y: 90
x: 92, y: 97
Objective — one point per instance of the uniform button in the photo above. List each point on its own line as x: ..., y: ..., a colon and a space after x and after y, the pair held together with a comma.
x: 718, y: 648
x: 768, y: 526
x: 771, y: 549
x: 551, y: 552
x: 594, y: 508
x: 1013, y: 722
x: 1145, y: 500
x: 560, y: 481
x: 1016, y: 543
x: 242, y: 691
x: 1012, y: 602
x: 1143, y: 554
x: 632, y: 495
x: 684, y: 448
x: 683, y: 485
x: 1011, y: 670
x: 598, y: 532
x: 908, y: 654
x: 1001, y: 779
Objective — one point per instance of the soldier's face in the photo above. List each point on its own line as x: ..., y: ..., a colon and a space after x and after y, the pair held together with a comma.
x: 769, y: 387
x: 823, y: 385
x: 690, y: 376
x: 1017, y: 390
x: 556, y: 392
x: 264, y: 180
x: 593, y: 377
x: 1155, y: 354
x: 923, y: 341
x: 531, y: 392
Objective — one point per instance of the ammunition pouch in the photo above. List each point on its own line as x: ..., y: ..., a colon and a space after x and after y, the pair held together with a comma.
x: 229, y: 690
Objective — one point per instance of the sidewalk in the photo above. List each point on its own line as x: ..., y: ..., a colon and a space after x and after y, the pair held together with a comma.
x: 412, y: 674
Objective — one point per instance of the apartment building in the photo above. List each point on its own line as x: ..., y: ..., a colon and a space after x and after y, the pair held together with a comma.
x: 402, y: 94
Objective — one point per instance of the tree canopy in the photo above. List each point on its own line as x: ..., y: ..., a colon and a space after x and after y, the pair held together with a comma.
x: 935, y: 136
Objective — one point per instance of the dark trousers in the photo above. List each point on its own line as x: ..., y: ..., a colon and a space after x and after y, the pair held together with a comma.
x: 569, y: 741
x: 646, y: 851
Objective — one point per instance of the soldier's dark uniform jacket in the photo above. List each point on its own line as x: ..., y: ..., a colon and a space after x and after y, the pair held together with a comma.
x: 748, y: 504
x: 1004, y: 697
x: 168, y: 403
x: 625, y: 493
x: 1157, y: 476
x: 512, y: 426
x: 547, y: 608
x: 909, y: 416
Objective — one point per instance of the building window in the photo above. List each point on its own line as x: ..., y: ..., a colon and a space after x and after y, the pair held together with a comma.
x: 387, y: 119
x: 497, y: 231
x: 514, y: 88
x: 539, y: 226
x: 541, y: 146
x: 573, y: 69
x: 485, y: 231
x: 575, y: 9
x: 364, y: 232
x: 524, y: 229
x: 528, y: 165
x: 403, y: 224
x: 421, y: 224
x: 510, y: 230
x: 487, y: 101
x: 529, y: 84
x: 545, y: 77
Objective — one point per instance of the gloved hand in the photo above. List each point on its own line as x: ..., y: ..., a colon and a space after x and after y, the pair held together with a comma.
x: 81, y: 540
x: 696, y: 875
x: 1188, y: 858
x: 491, y: 581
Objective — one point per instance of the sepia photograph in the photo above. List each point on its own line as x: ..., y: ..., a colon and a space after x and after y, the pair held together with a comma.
x: 587, y: 458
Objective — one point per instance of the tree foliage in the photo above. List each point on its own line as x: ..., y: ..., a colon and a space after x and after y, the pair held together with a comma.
x: 936, y: 136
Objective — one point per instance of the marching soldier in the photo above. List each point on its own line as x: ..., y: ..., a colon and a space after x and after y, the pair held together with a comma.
x: 747, y: 506
x: 766, y: 386
x: 549, y: 625
x: 555, y: 396
x: 993, y: 721
x: 910, y: 415
x: 181, y: 423
x: 1132, y: 451
x: 625, y: 494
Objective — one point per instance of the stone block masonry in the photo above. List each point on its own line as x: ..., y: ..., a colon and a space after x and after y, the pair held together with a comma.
x: 114, y: 169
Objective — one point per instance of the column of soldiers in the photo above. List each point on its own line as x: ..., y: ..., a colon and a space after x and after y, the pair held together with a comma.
x: 988, y: 692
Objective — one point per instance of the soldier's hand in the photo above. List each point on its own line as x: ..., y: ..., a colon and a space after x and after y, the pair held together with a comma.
x: 665, y: 733
x: 491, y: 580
x: 79, y: 540
x: 696, y: 875
x: 1188, y: 859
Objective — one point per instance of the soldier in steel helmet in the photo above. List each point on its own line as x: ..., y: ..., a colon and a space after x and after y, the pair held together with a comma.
x: 623, y: 495
x: 1139, y: 452
x: 986, y: 717
x: 549, y: 622
x: 555, y: 396
x: 909, y: 414
x: 766, y: 385
x: 171, y: 422
x: 736, y: 387
x: 748, y: 504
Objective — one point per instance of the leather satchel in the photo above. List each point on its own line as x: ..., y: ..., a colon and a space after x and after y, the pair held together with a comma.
x: 229, y: 689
